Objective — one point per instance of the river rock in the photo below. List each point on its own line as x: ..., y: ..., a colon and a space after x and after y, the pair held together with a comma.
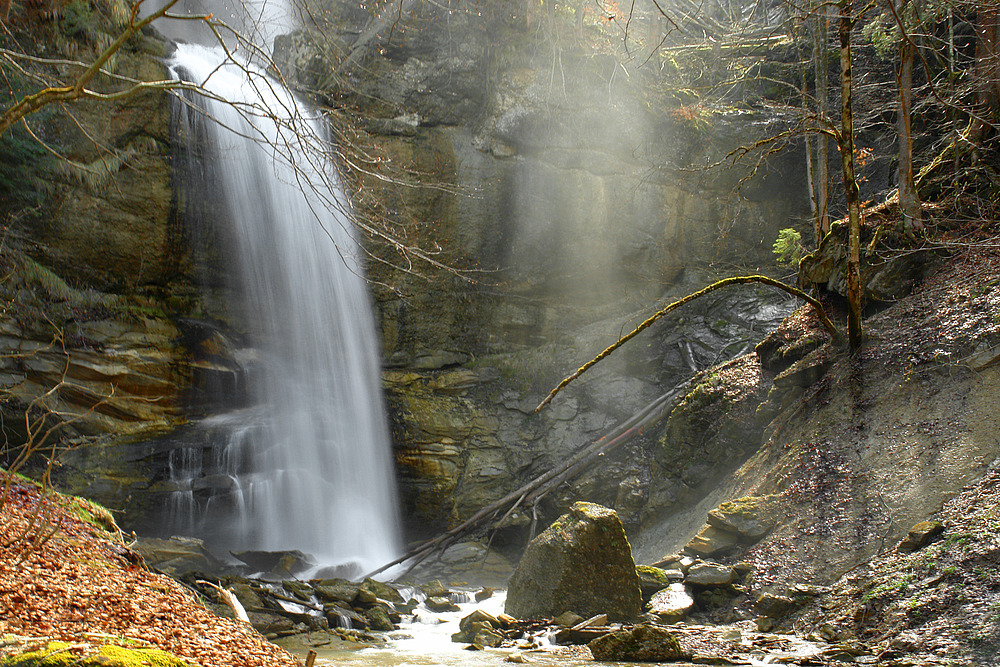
x: 567, y: 619
x: 378, y: 619
x: 710, y: 574
x: 247, y: 595
x: 271, y: 624
x: 382, y: 590
x: 672, y: 603
x: 435, y: 589
x: 329, y: 590
x: 440, y: 604
x: 278, y: 563
x: 177, y: 556
x: 581, y: 563
x: 479, y: 627
x: 643, y: 643
x: 342, y: 617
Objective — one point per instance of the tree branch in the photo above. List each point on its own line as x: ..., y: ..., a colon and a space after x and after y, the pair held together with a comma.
x: 725, y: 282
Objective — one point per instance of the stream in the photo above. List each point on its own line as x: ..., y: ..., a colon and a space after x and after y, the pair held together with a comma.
x: 425, y: 639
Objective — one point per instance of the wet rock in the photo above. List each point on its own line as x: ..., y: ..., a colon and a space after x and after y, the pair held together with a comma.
x: 479, y: 627
x: 177, y: 556
x: 435, y: 589
x: 298, y: 589
x: 365, y: 597
x: 382, y: 590
x: 329, y: 590
x: 567, y: 619
x: 378, y: 619
x: 748, y: 517
x: 407, y: 607
x: 484, y: 593
x: 712, y: 541
x: 343, y: 617
x: 441, y: 604
x: 247, y: 595
x: 468, y: 561
x: 270, y: 624
x: 672, y: 603
x: 643, y: 643
x: 479, y: 616
x: 710, y: 574
x: 920, y: 535
x: 581, y: 563
x: 278, y: 563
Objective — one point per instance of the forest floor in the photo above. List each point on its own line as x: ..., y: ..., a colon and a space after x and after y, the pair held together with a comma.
x: 65, y: 578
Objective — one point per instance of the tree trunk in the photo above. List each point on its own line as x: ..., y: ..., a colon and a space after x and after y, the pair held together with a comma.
x: 987, y: 75
x: 851, y: 189
x: 909, y: 200
x: 822, y: 173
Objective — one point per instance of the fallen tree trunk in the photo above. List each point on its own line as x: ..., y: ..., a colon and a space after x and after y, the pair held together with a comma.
x: 531, y: 493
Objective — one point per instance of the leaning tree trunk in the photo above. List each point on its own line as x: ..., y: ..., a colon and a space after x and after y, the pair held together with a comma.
x: 851, y: 189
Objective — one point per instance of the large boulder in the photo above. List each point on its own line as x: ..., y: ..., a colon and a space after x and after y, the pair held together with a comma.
x: 644, y: 643
x: 581, y: 563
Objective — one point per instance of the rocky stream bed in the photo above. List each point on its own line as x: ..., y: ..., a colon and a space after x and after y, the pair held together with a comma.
x: 72, y: 592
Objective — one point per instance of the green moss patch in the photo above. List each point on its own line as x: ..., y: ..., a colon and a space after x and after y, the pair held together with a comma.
x: 59, y: 654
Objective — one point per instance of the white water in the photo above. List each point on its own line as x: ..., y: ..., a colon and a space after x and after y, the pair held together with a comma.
x: 309, y: 464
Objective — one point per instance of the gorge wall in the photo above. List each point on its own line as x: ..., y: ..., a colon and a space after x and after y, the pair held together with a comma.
x: 560, y: 189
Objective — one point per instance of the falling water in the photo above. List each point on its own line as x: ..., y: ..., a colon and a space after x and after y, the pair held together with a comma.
x: 308, y: 466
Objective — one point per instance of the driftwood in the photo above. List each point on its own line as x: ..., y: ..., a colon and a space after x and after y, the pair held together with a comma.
x: 229, y: 600
x: 531, y: 493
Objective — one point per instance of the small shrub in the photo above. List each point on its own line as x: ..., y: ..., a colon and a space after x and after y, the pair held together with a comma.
x: 788, y: 248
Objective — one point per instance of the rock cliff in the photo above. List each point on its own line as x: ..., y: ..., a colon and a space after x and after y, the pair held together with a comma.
x: 558, y: 191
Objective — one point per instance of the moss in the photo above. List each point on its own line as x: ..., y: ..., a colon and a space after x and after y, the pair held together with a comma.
x: 57, y: 654
x: 85, y: 510
x: 751, y: 507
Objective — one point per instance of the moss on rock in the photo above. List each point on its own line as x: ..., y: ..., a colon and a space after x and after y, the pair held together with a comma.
x: 60, y: 654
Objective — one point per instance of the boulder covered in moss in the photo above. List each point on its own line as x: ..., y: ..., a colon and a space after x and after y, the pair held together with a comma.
x: 749, y: 517
x: 581, y: 563
x: 643, y: 643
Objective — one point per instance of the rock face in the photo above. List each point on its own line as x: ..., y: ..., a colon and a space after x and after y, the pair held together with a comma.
x: 566, y: 219
x: 581, y: 563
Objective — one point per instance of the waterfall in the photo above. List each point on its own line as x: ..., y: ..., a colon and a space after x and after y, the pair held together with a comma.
x: 308, y: 465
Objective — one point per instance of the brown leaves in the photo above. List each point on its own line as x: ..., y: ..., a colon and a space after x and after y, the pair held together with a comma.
x: 78, y: 586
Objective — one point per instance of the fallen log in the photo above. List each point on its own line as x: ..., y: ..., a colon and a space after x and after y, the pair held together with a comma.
x: 531, y: 493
